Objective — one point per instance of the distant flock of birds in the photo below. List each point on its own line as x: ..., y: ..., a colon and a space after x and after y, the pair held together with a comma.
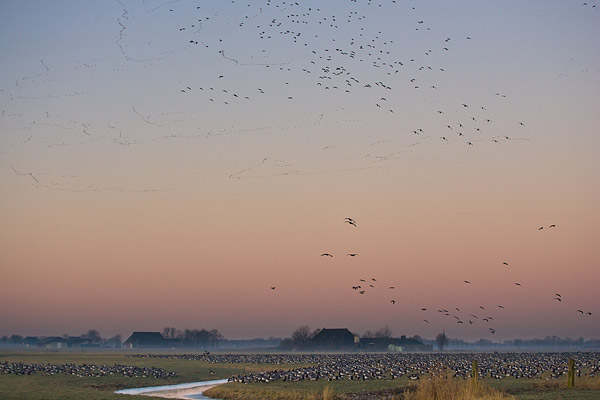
x: 361, y: 289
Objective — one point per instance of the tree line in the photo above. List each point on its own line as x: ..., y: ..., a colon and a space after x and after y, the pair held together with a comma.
x: 194, y: 338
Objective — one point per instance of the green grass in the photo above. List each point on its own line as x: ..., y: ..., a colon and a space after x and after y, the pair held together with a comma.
x: 306, y: 389
x: 59, y: 387
x: 521, y: 389
x: 63, y: 387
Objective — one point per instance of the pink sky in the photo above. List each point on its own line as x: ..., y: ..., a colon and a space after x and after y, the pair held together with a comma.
x: 136, y: 197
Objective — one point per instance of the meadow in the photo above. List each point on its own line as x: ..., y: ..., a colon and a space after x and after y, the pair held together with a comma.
x: 62, y: 386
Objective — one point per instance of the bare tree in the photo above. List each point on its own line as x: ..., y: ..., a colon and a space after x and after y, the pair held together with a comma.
x: 15, y: 339
x: 170, y: 332
x: 216, y: 337
x: 93, y: 335
x: 116, y: 341
x: 442, y: 340
x: 368, y: 334
x: 301, y: 336
x: 384, y: 332
x: 417, y: 337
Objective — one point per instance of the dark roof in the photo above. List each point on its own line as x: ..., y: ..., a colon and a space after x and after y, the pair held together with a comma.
x: 52, y: 339
x: 146, y: 339
x: 334, y: 333
x: 31, y: 340
x: 410, y: 341
x: 408, y: 344
x: 79, y: 340
x: 334, y: 338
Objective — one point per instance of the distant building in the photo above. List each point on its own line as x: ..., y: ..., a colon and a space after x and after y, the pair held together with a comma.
x: 393, y: 345
x: 139, y: 340
x: 30, y: 341
x: 77, y: 342
x: 334, y: 339
x: 52, y: 342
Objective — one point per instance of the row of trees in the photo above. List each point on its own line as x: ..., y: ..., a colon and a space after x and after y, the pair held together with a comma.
x: 201, y: 338
x: 300, y: 339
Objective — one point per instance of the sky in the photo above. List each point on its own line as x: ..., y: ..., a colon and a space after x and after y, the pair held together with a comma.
x: 167, y: 163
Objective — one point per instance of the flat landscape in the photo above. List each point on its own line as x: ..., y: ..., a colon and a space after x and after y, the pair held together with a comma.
x: 85, y: 379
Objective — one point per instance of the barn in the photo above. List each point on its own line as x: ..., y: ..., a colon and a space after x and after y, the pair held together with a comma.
x: 140, y: 340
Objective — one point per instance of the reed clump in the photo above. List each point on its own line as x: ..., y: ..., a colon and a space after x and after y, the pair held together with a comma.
x: 236, y: 393
x: 444, y: 387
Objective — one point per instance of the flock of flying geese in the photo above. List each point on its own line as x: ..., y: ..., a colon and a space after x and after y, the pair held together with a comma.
x: 346, y: 53
x: 363, y: 286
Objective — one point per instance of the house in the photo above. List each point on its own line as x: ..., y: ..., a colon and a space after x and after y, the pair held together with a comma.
x: 30, y: 341
x: 52, y: 342
x: 410, y: 344
x: 139, y: 340
x: 393, y: 345
x: 334, y: 339
x: 77, y: 342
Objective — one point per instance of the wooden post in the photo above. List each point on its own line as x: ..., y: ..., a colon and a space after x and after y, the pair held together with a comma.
x: 571, y: 374
x: 475, y: 373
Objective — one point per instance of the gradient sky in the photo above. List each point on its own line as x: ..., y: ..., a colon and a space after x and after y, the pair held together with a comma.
x: 164, y: 163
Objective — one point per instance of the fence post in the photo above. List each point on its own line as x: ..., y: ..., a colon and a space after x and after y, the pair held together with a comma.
x: 571, y: 374
x: 475, y: 373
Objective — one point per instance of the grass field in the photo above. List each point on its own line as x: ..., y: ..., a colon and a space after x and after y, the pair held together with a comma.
x: 401, y: 389
x: 60, y: 386
x: 39, y: 386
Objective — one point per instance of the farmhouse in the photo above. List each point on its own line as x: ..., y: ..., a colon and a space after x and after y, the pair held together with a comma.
x: 393, y: 344
x: 334, y: 339
x: 52, y: 342
x: 30, y: 341
x: 139, y: 340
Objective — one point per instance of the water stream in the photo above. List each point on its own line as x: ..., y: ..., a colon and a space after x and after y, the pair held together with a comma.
x: 191, y: 390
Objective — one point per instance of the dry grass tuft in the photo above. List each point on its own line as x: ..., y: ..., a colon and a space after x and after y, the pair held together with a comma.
x: 587, y: 382
x: 238, y: 393
x: 443, y: 387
